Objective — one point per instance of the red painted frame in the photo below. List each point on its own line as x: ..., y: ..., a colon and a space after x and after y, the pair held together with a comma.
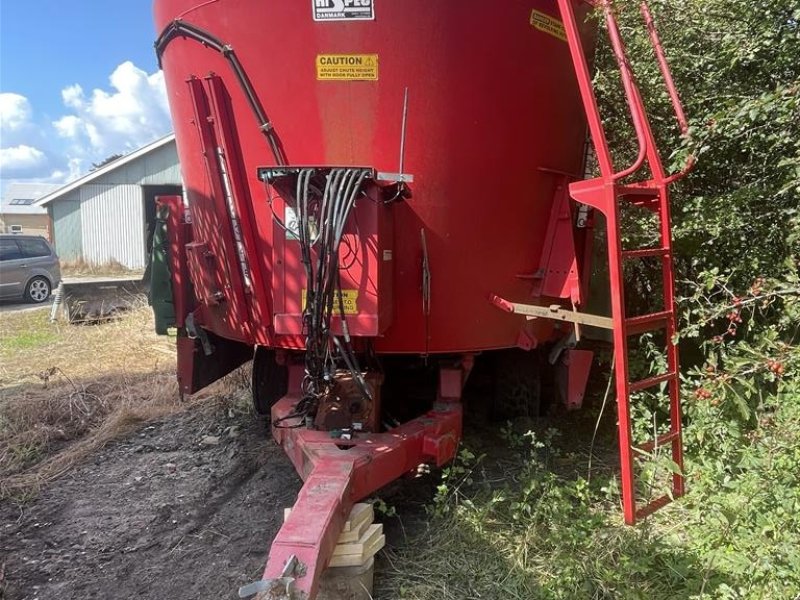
x: 339, y: 473
x: 604, y: 194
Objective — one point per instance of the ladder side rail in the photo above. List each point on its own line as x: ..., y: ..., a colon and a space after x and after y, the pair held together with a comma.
x: 621, y: 372
x: 636, y: 103
x: 633, y: 96
x: 632, y: 92
x: 588, y: 96
x: 672, y: 89
x: 673, y: 358
x: 676, y: 416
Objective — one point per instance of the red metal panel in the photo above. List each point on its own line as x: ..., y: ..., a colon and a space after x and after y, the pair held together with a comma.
x: 366, y: 267
x: 558, y: 275
x: 202, y: 268
x: 185, y: 367
x: 228, y: 314
x: 178, y: 234
x: 483, y: 119
x: 579, y: 364
x: 260, y: 298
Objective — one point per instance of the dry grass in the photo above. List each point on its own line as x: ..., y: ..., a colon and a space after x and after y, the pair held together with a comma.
x: 81, y: 268
x: 67, y: 390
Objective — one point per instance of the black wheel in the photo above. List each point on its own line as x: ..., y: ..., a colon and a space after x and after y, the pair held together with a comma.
x: 270, y: 381
x: 517, y: 384
x: 38, y: 290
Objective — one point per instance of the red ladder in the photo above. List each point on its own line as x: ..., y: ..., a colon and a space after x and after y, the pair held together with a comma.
x: 605, y: 193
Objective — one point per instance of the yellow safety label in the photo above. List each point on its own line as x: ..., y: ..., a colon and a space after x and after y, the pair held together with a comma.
x: 347, y: 67
x: 549, y: 25
x: 349, y: 298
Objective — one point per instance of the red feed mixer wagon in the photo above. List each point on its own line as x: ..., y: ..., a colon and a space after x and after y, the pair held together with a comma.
x: 377, y: 193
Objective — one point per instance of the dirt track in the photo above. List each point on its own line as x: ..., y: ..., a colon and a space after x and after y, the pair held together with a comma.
x: 161, y: 516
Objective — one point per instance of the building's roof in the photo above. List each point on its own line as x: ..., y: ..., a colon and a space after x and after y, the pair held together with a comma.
x: 21, y: 198
x: 108, y: 168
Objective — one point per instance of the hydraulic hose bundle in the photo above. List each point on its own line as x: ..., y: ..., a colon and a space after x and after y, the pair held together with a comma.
x: 321, y: 221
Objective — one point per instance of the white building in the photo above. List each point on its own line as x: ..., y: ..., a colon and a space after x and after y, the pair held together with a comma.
x: 108, y: 215
x: 19, y: 212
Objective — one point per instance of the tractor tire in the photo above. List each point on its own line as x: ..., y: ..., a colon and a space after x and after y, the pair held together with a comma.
x: 270, y: 381
x: 38, y: 290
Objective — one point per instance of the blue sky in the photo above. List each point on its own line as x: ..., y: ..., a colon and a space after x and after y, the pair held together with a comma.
x: 78, y: 81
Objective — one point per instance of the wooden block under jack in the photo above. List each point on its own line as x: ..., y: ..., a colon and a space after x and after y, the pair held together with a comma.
x: 359, y: 547
x: 360, y: 518
x: 348, y: 583
x: 356, y: 560
x: 360, y: 540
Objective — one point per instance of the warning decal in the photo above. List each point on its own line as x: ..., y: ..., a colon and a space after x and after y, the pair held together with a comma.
x: 344, y: 10
x: 347, y: 67
x: 349, y: 298
x: 549, y: 25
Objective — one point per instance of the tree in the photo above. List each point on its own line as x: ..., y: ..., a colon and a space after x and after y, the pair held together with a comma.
x: 737, y: 64
x: 737, y: 217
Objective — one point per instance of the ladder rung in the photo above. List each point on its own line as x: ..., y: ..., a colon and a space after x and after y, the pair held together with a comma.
x: 645, y: 323
x: 639, y: 192
x: 652, y: 382
x: 651, y: 204
x: 645, y: 253
x: 654, y: 506
x: 663, y: 440
x: 644, y: 197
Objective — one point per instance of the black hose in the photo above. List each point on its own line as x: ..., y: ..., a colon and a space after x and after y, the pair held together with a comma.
x: 179, y: 28
x: 324, y: 294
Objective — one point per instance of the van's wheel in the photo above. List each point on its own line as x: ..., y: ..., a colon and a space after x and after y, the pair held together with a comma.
x: 270, y: 381
x: 517, y: 384
x: 38, y: 290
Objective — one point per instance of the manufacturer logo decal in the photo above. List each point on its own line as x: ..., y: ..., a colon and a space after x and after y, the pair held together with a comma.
x: 344, y: 10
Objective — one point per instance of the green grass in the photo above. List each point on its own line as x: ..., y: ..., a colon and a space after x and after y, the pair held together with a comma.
x: 546, y: 533
x: 24, y: 330
x: 27, y: 340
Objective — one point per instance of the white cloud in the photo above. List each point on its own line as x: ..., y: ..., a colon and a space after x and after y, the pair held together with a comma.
x: 69, y: 126
x: 15, y: 112
x: 21, y: 154
x: 133, y: 113
x: 73, y: 96
x: 128, y: 113
x: 21, y: 160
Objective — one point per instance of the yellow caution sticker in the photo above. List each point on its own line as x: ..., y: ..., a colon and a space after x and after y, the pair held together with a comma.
x: 349, y: 299
x: 549, y: 25
x: 347, y: 67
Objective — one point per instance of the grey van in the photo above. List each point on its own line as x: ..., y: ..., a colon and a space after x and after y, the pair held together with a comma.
x: 29, y: 268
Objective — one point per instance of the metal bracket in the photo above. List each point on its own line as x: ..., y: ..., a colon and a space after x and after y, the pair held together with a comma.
x: 282, y: 588
x: 563, y: 345
x: 196, y: 332
x: 554, y: 312
x: 395, y: 177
